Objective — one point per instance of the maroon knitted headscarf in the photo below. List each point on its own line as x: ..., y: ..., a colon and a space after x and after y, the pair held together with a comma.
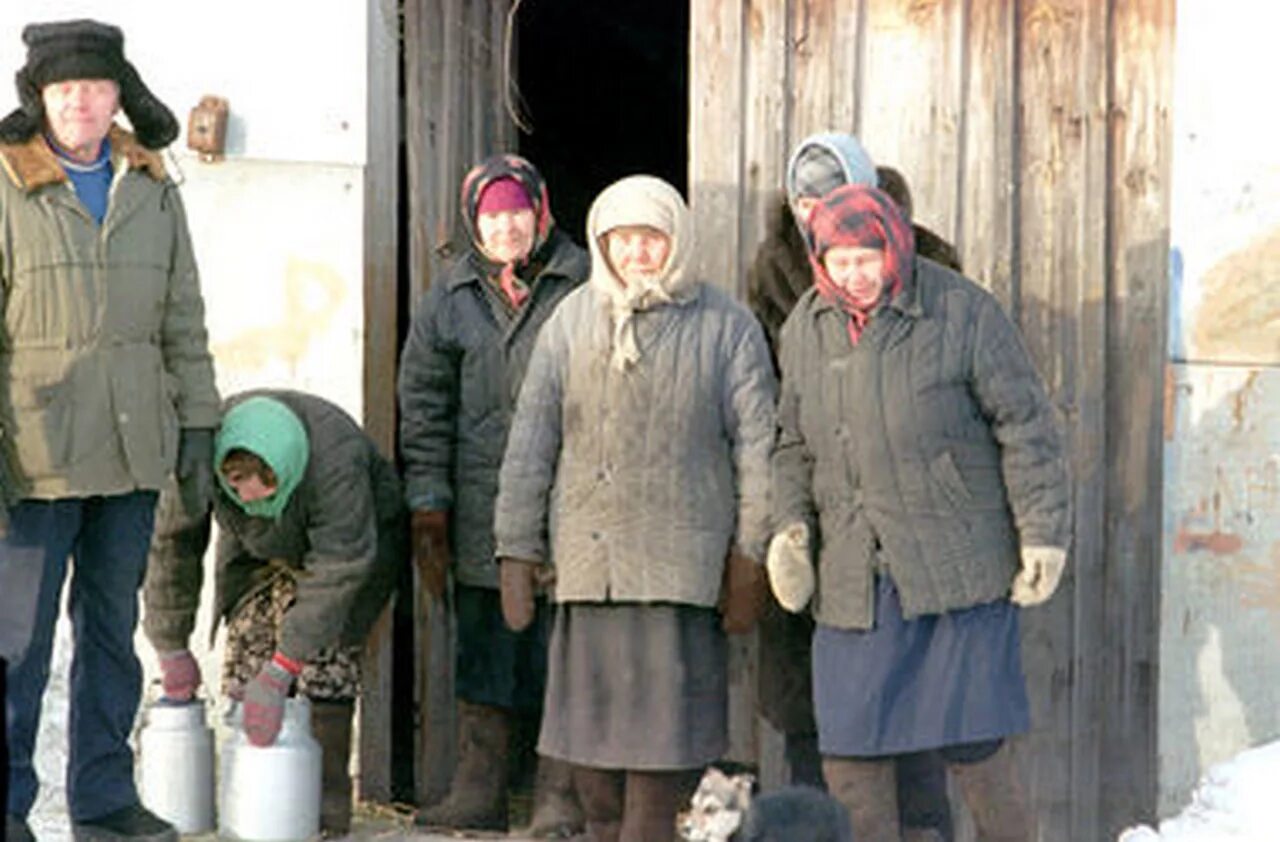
x: 857, y: 215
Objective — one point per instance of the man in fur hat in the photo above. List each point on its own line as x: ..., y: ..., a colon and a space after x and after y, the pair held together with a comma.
x: 108, y: 391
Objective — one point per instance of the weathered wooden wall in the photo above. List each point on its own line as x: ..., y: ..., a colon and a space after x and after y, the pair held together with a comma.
x: 454, y: 116
x: 1035, y: 134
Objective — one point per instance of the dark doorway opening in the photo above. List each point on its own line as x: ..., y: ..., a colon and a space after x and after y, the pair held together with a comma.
x: 605, y: 90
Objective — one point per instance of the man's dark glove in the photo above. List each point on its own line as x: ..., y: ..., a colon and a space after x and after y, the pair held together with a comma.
x: 743, y: 589
x: 195, y: 470
x: 431, y: 549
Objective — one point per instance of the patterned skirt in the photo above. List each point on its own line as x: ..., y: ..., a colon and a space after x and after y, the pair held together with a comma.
x: 252, y: 636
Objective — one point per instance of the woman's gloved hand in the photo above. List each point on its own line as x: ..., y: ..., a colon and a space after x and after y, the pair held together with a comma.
x: 264, y: 699
x: 517, y: 579
x: 179, y: 675
x: 1039, y: 577
x: 790, y: 566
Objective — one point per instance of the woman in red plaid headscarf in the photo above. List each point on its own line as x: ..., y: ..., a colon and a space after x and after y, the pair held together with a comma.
x: 461, y: 370
x: 917, y: 441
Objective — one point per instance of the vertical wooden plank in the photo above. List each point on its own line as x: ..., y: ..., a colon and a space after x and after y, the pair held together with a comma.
x: 422, y: 57
x: 715, y: 136
x: 427, y: 146
x: 813, y: 44
x: 716, y: 132
x: 911, y: 100
x: 846, y: 58
x: 381, y: 307
x: 1062, y: 288
x: 502, y: 130
x: 765, y: 90
x: 455, y: 115
x: 479, y: 94
x: 987, y: 177
x: 986, y: 184
x: 765, y: 86
x: 1141, y: 143
x: 450, y: 119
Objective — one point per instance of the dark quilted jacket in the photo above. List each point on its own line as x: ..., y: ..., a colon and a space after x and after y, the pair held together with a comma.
x: 929, y: 447
x: 460, y: 375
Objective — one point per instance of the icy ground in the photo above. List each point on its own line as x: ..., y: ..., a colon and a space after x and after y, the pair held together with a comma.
x: 1237, y: 801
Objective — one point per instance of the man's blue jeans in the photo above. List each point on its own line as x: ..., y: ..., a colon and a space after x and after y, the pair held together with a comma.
x: 108, y: 538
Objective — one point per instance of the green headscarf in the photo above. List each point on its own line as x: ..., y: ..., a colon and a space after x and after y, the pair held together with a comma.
x: 271, y: 431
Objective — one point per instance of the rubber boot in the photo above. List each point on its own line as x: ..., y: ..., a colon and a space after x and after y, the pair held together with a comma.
x: 804, y: 759
x: 556, y: 812
x: 652, y: 801
x: 600, y: 791
x: 477, y: 798
x: 331, y: 726
x: 995, y: 794
x: 869, y: 791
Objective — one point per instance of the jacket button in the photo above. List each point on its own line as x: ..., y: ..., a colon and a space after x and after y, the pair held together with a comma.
x: 595, y: 536
x: 124, y: 417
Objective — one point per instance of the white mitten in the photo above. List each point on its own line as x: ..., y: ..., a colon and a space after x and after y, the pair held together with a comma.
x: 1038, y: 579
x: 790, y: 568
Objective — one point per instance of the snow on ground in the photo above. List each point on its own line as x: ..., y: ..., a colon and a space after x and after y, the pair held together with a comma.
x: 1237, y: 801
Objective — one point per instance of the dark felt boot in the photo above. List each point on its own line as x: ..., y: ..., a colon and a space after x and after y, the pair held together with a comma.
x: 869, y: 791
x: 556, y: 812
x: 331, y: 726
x: 600, y: 791
x: 477, y: 798
x: 652, y: 801
x: 996, y: 796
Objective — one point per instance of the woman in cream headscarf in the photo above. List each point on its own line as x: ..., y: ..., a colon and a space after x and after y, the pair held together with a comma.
x: 637, y: 471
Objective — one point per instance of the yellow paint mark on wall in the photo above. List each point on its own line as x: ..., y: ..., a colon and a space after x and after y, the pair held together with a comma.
x: 313, y: 295
x: 1239, y: 315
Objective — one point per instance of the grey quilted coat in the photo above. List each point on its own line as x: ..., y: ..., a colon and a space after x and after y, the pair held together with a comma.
x: 635, y: 483
x: 930, y: 447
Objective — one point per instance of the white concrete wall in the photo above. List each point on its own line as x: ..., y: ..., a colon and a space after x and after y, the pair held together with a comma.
x: 277, y: 226
x: 1220, y: 617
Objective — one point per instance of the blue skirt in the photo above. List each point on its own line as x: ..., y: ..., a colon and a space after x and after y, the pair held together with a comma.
x: 912, y: 685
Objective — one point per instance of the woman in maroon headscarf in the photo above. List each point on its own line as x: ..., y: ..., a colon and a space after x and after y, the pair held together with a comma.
x: 461, y: 369
x: 919, y: 462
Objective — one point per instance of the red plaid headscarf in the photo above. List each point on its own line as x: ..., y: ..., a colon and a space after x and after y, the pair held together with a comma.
x: 857, y: 215
x: 527, y: 176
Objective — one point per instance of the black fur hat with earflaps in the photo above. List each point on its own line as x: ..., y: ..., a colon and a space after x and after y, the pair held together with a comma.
x: 83, y: 49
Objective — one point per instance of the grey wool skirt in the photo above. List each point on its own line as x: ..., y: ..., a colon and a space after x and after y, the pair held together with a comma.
x: 636, y: 686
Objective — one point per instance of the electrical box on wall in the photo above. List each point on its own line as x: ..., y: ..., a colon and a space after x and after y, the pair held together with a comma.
x: 207, y: 128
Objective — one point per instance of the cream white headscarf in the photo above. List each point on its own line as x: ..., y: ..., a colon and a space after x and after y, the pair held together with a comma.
x: 639, y: 200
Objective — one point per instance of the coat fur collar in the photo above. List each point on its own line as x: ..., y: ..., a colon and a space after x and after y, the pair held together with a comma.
x: 32, y: 164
